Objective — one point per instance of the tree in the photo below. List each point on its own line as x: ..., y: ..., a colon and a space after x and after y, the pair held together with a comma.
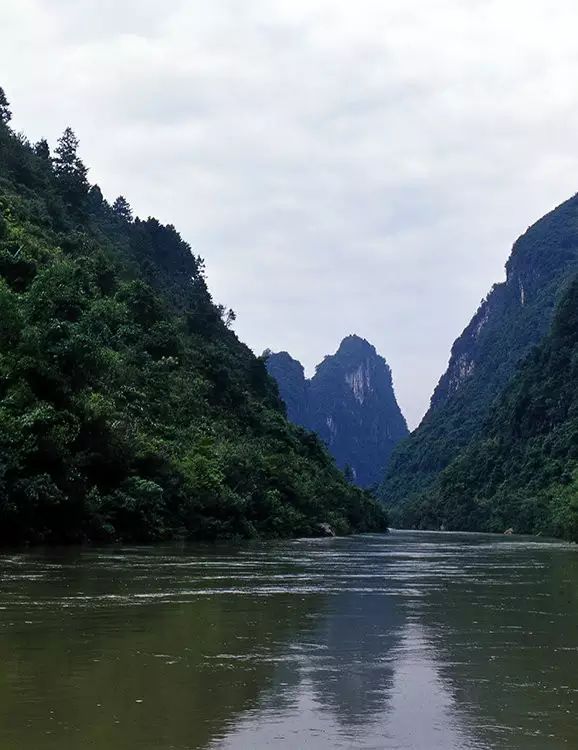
x: 5, y: 113
x: 121, y: 208
x: 230, y: 317
x: 42, y: 149
x: 70, y: 171
x: 95, y: 199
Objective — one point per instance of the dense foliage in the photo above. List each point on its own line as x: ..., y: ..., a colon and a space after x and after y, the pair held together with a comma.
x: 522, y: 471
x: 128, y: 408
x: 349, y: 403
x: 514, y: 318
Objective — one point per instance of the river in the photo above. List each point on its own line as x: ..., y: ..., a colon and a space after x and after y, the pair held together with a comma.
x: 408, y: 641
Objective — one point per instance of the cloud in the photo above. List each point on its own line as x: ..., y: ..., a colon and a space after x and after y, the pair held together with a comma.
x: 342, y: 167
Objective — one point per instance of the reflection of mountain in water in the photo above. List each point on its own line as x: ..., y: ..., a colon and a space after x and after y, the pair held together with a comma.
x: 413, y: 641
x: 330, y: 685
x: 353, y: 673
x: 423, y: 712
x: 438, y: 642
x: 365, y: 675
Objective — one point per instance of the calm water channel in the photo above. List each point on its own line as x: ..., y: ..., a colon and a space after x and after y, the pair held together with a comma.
x: 411, y: 641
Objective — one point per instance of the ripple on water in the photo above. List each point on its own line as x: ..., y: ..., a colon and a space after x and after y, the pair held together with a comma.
x: 416, y: 641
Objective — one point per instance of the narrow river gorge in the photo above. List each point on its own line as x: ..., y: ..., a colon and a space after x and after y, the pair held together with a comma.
x: 409, y: 641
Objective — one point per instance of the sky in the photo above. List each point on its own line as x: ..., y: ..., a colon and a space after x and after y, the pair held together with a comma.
x: 343, y: 167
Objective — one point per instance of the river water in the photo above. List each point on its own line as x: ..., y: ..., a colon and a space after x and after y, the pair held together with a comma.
x: 409, y: 641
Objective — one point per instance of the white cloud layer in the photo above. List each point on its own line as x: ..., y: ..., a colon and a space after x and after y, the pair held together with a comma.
x: 343, y: 167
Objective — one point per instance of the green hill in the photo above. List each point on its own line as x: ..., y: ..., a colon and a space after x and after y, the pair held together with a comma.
x: 128, y: 408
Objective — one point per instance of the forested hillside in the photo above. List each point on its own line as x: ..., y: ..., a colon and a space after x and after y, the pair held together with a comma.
x: 513, y: 318
x: 522, y: 471
x: 128, y: 408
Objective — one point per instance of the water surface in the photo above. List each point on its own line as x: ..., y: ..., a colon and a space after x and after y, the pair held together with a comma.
x: 411, y: 641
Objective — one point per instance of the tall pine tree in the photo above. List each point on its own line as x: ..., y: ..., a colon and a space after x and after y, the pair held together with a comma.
x: 122, y: 209
x: 71, y: 174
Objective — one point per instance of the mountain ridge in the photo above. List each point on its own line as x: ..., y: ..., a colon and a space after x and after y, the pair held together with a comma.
x: 511, y: 320
x: 521, y: 471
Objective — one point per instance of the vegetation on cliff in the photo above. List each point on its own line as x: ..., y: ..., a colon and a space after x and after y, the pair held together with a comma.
x: 522, y: 471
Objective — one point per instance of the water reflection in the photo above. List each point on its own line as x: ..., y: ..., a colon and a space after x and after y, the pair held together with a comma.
x: 424, y: 713
x: 411, y: 641
x: 412, y: 711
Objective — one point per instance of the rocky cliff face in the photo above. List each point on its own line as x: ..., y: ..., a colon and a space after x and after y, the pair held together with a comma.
x: 521, y: 471
x: 512, y: 319
x: 349, y: 403
x: 290, y: 377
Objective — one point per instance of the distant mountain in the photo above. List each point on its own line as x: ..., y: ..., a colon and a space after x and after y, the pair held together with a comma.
x: 293, y: 387
x: 349, y: 403
x: 514, y: 318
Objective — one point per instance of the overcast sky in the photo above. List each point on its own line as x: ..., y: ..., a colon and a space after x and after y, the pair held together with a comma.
x: 344, y: 166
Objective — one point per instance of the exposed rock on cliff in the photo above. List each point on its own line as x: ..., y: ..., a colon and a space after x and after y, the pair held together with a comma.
x: 349, y: 403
